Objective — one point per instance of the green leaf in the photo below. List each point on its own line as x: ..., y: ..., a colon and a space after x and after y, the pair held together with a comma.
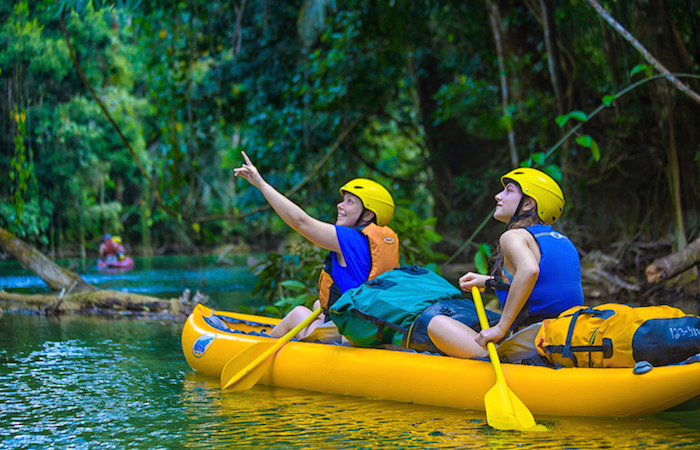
x: 283, y: 302
x: 595, y: 150
x: 293, y: 285
x: 539, y: 158
x: 579, y: 115
x: 480, y: 263
x: 584, y: 141
x: 608, y: 99
x: 434, y: 267
x: 638, y: 68
x: 273, y: 310
x: 561, y: 120
x: 246, y: 309
x: 485, y: 249
x: 554, y: 172
x: 430, y: 221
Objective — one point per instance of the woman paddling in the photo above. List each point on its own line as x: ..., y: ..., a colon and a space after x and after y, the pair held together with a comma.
x: 537, y: 275
x: 360, y: 244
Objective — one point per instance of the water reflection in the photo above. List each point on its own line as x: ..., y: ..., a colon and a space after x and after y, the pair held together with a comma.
x: 86, y: 382
x: 284, y: 418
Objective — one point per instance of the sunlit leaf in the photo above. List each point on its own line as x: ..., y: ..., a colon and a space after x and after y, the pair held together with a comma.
x: 561, y: 120
x: 579, y: 115
x: 608, y: 99
x: 481, y: 263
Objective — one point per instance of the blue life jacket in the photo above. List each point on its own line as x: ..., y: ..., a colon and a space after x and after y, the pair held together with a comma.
x: 558, y: 285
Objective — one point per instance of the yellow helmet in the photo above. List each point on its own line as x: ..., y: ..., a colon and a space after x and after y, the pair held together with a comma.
x: 541, y: 187
x: 117, y: 240
x: 374, y: 197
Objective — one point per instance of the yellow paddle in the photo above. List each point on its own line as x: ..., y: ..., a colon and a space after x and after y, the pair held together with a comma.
x: 504, y: 411
x: 245, y: 369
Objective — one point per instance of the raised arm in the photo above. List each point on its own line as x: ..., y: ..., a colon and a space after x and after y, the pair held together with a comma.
x: 320, y: 233
x: 517, y: 246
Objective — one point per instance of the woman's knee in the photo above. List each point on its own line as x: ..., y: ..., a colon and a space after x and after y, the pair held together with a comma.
x: 299, y: 313
x: 453, y: 338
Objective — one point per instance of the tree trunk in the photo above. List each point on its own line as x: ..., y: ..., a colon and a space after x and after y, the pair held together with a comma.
x: 53, y: 275
x: 676, y: 113
x: 552, y: 56
x: 495, y: 20
x: 675, y: 263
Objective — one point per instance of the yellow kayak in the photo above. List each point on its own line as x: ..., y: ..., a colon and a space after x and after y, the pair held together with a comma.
x: 211, y: 338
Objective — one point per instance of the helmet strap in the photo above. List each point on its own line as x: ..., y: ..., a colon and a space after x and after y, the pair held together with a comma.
x: 357, y: 225
x: 517, y: 216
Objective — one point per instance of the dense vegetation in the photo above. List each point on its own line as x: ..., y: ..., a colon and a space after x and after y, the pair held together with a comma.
x: 436, y: 99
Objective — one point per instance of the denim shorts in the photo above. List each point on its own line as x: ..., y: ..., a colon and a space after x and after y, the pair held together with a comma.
x: 461, y: 310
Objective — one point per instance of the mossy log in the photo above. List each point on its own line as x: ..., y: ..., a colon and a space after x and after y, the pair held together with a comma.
x: 95, y: 302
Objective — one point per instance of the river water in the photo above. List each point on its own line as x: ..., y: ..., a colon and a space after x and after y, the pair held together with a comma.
x: 88, y: 382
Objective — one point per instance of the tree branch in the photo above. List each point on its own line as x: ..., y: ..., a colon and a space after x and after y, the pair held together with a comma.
x: 643, y: 51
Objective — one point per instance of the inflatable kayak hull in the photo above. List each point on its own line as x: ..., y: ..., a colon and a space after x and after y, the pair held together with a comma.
x: 210, y: 338
x: 114, y: 263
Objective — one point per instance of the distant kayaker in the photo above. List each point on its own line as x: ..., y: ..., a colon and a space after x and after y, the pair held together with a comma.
x: 111, y: 246
x: 537, y: 275
x: 361, y: 245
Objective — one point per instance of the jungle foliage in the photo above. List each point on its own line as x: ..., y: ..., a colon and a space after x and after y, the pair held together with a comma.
x: 408, y: 93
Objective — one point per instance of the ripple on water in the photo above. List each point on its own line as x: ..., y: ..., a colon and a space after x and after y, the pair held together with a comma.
x: 92, y: 383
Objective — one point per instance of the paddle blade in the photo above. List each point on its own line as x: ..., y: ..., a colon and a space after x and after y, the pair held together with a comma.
x: 505, y: 411
x: 237, y: 376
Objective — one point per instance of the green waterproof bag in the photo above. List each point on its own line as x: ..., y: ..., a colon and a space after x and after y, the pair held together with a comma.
x: 381, y: 310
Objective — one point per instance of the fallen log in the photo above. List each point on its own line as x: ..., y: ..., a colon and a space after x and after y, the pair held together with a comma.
x: 95, y: 302
x: 669, y: 266
x: 55, y: 276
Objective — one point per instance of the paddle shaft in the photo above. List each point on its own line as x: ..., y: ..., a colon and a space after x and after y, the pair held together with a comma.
x: 272, y: 350
x: 493, y: 354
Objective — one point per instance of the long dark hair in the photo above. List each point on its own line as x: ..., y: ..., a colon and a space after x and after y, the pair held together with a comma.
x: 523, y: 221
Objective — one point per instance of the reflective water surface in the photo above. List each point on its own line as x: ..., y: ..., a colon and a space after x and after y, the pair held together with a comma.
x: 159, y: 276
x: 89, y: 382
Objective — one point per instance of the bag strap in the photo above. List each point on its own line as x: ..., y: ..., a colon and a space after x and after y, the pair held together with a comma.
x: 413, y: 270
x: 568, y: 351
x: 380, y: 323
